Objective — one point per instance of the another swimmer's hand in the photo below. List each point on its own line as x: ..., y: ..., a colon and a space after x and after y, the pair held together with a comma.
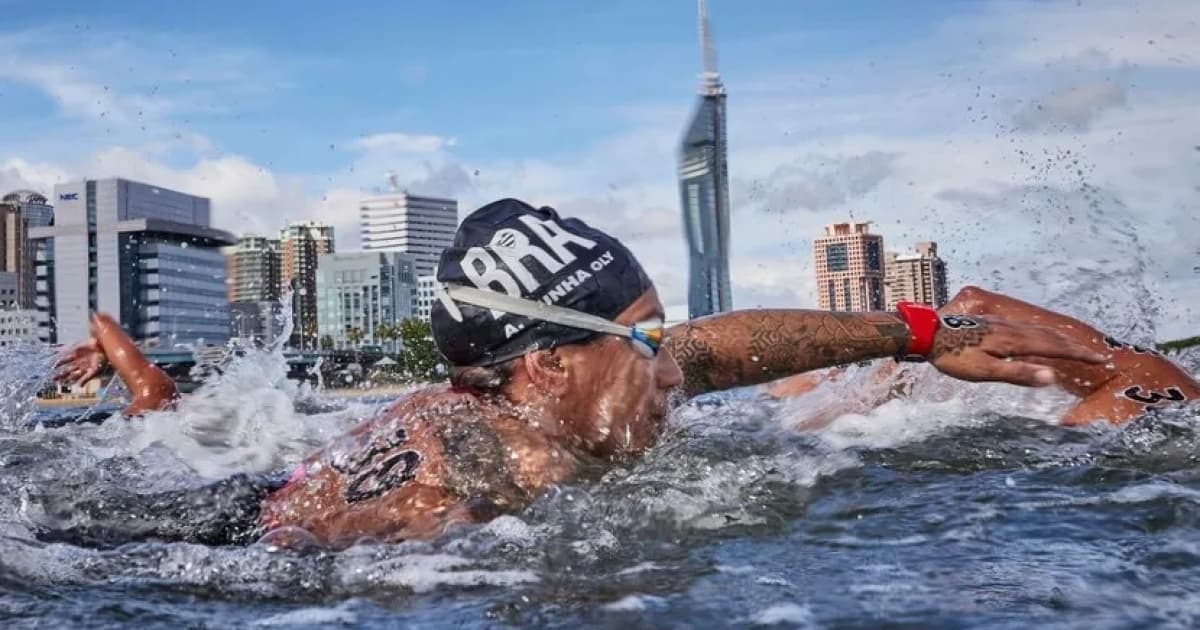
x: 990, y: 349
x: 81, y: 363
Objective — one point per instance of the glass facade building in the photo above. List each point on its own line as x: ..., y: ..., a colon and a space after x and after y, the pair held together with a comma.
x: 142, y: 253
x: 704, y: 192
x: 359, y: 292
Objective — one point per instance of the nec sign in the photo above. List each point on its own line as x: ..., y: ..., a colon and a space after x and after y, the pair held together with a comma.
x: 68, y: 197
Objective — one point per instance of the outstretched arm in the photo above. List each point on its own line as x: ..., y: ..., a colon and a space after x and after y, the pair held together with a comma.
x: 150, y: 387
x: 751, y: 347
x: 1132, y: 380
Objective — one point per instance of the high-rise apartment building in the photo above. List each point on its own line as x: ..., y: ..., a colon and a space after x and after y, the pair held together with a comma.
x: 143, y: 253
x: 20, y: 211
x: 360, y: 292
x: 919, y: 277
x: 409, y: 224
x: 301, y: 245
x: 704, y: 190
x: 849, y: 264
x: 254, y: 266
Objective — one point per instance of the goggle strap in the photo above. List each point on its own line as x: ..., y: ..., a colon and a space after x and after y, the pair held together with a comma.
x: 535, y: 310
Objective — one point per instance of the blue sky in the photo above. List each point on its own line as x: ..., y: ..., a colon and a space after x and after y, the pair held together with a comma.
x: 539, y: 77
x: 993, y: 127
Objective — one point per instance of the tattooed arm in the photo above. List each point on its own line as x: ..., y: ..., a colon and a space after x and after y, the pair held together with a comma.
x: 752, y: 347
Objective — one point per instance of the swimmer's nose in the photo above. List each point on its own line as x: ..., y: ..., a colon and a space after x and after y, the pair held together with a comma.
x: 667, y: 371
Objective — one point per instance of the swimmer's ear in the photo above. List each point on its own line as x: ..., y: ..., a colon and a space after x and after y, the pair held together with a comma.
x: 545, y: 370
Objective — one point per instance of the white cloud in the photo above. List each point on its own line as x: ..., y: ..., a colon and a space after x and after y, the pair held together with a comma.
x: 403, y: 143
x: 1158, y: 33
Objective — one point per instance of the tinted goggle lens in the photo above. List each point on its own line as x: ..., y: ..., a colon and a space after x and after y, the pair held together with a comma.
x: 647, y: 337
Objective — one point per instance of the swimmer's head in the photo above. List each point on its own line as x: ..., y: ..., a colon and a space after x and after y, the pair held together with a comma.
x: 591, y: 359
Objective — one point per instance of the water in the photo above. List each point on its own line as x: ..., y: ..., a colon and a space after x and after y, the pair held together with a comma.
x: 958, y: 507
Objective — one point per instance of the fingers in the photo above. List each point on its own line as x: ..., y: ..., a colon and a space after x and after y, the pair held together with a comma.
x: 1019, y: 373
x: 1048, y: 344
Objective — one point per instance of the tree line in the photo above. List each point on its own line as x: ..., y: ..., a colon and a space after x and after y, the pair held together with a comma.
x: 410, y: 342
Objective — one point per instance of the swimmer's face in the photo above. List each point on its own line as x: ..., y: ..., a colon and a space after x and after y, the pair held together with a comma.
x: 617, y: 399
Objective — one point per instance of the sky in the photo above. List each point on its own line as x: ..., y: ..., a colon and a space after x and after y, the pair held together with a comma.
x: 1052, y: 149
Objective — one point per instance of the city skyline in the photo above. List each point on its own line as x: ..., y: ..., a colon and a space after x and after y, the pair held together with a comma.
x: 1047, y: 111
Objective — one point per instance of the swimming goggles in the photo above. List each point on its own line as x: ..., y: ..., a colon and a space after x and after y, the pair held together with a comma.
x: 647, y: 336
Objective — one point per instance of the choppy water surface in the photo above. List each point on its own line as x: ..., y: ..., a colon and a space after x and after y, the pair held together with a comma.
x: 955, y: 507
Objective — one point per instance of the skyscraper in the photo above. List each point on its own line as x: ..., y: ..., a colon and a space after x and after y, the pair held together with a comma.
x: 919, y: 277
x: 143, y: 253
x: 301, y: 244
x: 409, y: 224
x: 704, y: 190
x: 849, y: 264
x: 20, y: 211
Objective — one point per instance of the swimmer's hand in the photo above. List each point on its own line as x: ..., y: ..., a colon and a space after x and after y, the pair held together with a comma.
x: 81, y: 363
x: 975, y: 348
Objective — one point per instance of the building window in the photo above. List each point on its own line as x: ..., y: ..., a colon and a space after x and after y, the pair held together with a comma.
x: 836, y: 258
x: 846, y: 293
x: 874, y: 263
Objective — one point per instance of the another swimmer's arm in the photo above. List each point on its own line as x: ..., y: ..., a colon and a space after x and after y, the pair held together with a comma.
x: 752, y: 347
x: 150, y: 387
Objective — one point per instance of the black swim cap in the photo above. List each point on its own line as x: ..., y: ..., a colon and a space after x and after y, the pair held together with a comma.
x: 510, y: 247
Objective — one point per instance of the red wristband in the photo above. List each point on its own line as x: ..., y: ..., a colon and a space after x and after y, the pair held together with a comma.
x: 923, y: 323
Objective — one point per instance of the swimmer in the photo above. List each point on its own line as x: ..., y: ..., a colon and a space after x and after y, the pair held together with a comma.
x: 559, y: 362
x: 1133, y: 381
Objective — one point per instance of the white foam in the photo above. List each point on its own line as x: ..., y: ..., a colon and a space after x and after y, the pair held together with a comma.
x: 425, y: 572
x: 855, y: 411
x: 784, y: 613
x: 244, y: 420
x: 510, y: 529
x: 310, y: 617
x: 633, y: 603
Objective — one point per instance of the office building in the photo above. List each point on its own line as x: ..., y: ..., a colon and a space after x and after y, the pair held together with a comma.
x: 849, y: 264
x: 301, y: 245
x: 919, y: 277
x: 20, y: 211
x: 409, y: 224
x: 360, y: 292
x: 704, y: 190
x: 17, y: 327
x: 426, y: 294
x: 145, y: 254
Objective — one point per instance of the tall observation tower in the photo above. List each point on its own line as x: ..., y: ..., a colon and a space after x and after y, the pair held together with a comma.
x: 704, y: 189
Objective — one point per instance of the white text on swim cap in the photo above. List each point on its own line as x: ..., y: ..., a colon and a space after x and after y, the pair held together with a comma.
x: 481, y: 264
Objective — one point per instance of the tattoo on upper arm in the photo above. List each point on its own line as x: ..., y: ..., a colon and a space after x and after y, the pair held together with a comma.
x: 371, y: 476
x: 476, y: 464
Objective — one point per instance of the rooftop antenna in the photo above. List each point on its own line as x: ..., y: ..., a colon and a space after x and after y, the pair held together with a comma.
x: 394, y: 181
x: 710, y: 77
